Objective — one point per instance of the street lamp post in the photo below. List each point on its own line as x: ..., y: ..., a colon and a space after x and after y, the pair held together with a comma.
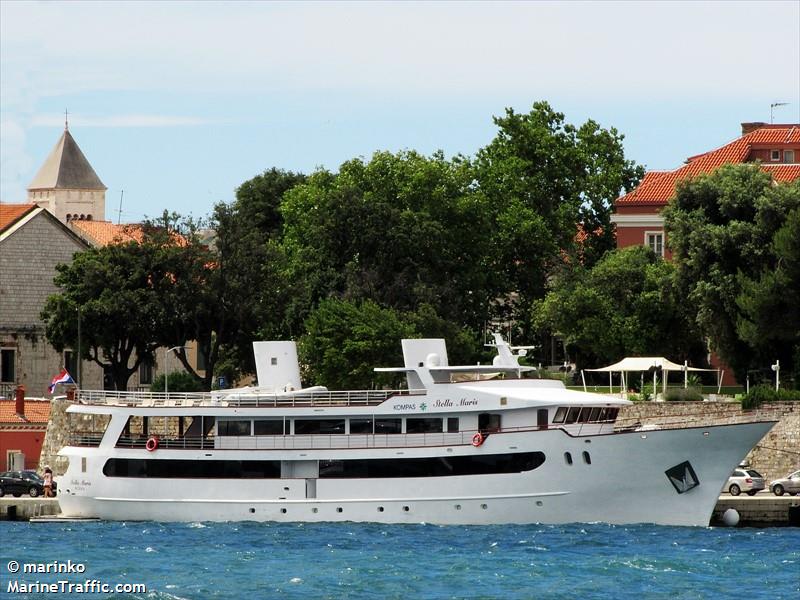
x: 166, y: 367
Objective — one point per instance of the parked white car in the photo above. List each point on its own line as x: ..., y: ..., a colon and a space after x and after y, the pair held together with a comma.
x: 789, y: 484
x: 745, y: 479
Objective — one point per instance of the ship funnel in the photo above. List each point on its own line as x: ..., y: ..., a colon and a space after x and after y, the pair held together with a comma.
x: 276, y: 366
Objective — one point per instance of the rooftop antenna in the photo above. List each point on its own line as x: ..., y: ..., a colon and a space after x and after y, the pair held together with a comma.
x: 66, y: 120
x: 119, y: 212
x: 772, y: 110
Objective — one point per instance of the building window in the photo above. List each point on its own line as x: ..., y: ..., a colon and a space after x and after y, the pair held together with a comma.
x: 655, y: 241
x: 775, y: 155
x: 146, y: 373
x: 7, y: 364
x: 788, y: 156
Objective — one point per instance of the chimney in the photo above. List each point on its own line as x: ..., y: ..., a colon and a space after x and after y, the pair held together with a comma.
x: 750, y: 127
x: 19, y: 405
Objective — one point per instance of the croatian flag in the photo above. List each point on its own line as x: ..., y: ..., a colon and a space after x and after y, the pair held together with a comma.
x: 63, y: 377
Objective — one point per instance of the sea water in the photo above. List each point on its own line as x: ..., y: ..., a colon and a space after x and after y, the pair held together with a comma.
x: 349, y: 560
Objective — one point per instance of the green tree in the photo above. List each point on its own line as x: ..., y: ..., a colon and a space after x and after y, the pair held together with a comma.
x: 722, y: 231
x: 544, y: 179
x: 250, y: 281
x: 769, y: 303
x: 115, y: 288
x: 401, y: 229
x: 345, y: 340
x: 627, y: 304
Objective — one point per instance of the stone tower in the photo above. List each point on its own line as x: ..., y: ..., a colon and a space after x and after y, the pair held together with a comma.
x: 67, y: 185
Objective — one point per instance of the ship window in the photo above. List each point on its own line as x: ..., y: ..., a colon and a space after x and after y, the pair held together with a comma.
x: 488, y: 422
x: 572, y: 414
x: 586, y: 458
x: 452, y: 425
x: 611, y: 414
x: 361, y: 425
x: 228, y: 428
x: 268, y: 427
x: 430, y: 467
x: 584, y: 415
x: 595, y: 414
x: 417, y: 425
x: 560, y: 414
x: 568, y: 458
x: 319, y: 426
x: 388, y: 425
x: 192, y: 469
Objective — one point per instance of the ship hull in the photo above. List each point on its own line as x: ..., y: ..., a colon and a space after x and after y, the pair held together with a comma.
x: 620, y: 478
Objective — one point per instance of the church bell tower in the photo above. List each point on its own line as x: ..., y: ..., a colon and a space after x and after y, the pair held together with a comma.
x: 67, y: 185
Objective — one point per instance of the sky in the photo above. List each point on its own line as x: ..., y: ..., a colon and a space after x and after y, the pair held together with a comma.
x: 178, y: 103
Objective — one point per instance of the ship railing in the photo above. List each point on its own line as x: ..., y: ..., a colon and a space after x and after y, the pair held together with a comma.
x: 299, y: 398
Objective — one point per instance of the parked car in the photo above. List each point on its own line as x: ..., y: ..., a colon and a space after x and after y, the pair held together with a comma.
x: 789, y: 484
x: 745, y: 479
x: 22, y: 482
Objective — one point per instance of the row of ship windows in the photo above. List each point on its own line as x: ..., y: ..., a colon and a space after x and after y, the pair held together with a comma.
x: 381, y: 468
x: 357, y: 425
x: 586, y: 414
x: 587, y: 458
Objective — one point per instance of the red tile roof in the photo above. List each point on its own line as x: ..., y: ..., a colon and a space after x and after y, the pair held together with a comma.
x: 658, y: 187
x: 36, y: 412
x: 102, y: 233
x: 11, y: 213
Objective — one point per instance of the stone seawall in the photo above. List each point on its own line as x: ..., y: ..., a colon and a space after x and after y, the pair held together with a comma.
x: 777, y: 454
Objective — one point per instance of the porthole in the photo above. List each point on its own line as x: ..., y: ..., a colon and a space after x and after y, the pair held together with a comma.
x: 586, y: 458
x: 338, y: 509
x: 283, y: 510
x: 380, y: 509
x: 568, y: 458
x: 539, y: 503
x: 406, y: 509
x: 315, y: 510
x: 484, y: 506
x: 458, y: 507
x: 252, y: 510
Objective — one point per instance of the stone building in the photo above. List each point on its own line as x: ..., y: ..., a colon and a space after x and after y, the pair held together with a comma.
x: 32, y: 242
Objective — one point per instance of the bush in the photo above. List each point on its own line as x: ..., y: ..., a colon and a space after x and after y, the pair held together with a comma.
x: 766, y: 393
x: 690, y: 394
x: 179, y: 381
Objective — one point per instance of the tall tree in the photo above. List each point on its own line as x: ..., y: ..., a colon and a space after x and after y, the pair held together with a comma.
x: 249, y: 281
x: 721, y: 229
x: 627, y: 304
x: 401, y: 229
x: 546, y: 179
x: 115, y: 289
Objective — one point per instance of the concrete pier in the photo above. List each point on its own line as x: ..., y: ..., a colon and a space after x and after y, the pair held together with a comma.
x: 761, y: 510
x: 23, y: 508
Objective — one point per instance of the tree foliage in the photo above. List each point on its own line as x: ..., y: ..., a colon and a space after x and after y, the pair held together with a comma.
x: 627, y: 304
x: 730, y: 234
x: 116, y: 289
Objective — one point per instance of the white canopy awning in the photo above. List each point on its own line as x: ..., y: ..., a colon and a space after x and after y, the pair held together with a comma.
x: 645, y: 363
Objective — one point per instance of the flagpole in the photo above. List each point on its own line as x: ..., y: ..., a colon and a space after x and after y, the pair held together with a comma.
x: 80, y: 357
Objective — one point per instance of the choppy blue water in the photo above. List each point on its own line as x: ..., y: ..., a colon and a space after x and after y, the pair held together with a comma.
x: 247, y: 560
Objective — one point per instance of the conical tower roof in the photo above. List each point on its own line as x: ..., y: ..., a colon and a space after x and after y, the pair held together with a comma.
x: 66, y: 168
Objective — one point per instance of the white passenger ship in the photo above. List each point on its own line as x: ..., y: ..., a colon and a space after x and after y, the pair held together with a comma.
x: 461, y: 445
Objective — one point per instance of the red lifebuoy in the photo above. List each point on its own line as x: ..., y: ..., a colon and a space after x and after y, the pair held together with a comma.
x: 477, y: 439
x: 151, y: 444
